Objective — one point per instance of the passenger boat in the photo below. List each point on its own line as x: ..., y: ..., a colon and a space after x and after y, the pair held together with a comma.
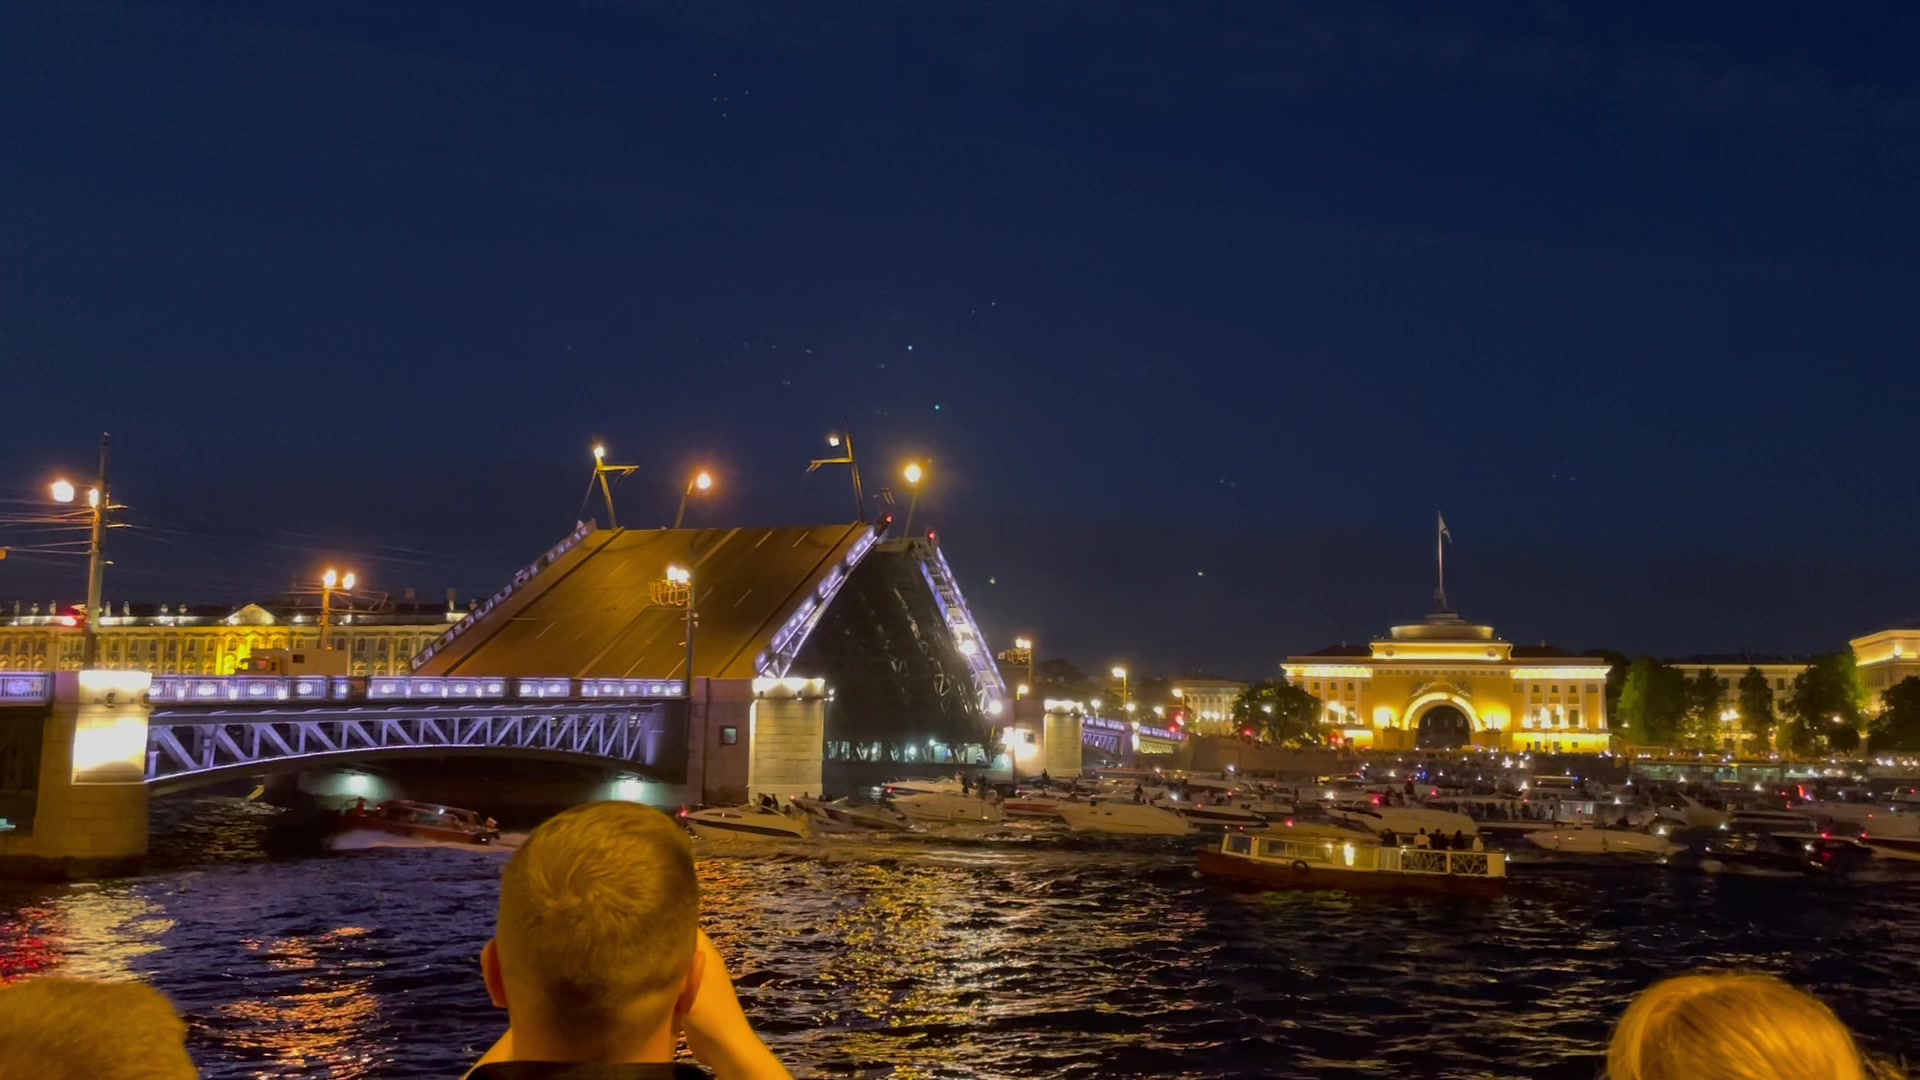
x: 1123, y: 819
x: 846, y: 815
x: 749, y: 822
x: 1265, y: 861
x: 424, y: 821
x: 1593, y: 840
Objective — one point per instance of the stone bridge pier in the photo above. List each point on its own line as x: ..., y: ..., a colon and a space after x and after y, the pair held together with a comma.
x: 88, y: 793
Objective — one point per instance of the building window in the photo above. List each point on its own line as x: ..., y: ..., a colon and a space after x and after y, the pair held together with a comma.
x: 1779, y: 684
x: 729, y: 736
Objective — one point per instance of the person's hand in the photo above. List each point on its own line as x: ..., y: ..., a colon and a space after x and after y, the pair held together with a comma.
x: 717, y: 1030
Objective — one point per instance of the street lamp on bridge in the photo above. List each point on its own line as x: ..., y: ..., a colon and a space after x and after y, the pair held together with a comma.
x: 702, y: 482
x: 330, y: 581
x: 1021, y: 655
x: 912, y: 474
x: 843, y: 441
x: 1121, y: 674
x: 676, y: 590
x: 601, y: 470
x: 99, y: 501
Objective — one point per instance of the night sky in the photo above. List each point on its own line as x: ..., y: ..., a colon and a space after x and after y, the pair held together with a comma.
x: 1199, y: 312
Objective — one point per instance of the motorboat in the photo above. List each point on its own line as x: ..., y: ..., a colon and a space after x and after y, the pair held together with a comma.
x: 1594, y: 840
x: 1750, y: 821
x: 1217, y: 815
x: 1690, y: 813
x: 846, y: 815
x: 425, y: 821
x: 943, y: 785
x: 1124, y: 819
x: 748, y: 822
x: 1268, y: 861
x: 1321, y: 829
x: 942, y: 808
x: 1814, y: 854
x: 1893, y: 836
x: 1033, y: 806
x: 1406, y: 820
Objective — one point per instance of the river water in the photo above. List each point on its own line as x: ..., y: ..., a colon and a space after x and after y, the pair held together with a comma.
x: 1048, y: 958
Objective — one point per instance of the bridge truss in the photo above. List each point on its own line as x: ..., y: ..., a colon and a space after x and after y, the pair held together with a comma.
x: 189, y: 747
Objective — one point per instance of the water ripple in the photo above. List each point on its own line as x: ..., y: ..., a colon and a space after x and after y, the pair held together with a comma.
x: 1062, y: 961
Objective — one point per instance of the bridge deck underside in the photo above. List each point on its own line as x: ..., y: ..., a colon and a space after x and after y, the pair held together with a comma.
x: 594, y: 615
x: 897, y: 676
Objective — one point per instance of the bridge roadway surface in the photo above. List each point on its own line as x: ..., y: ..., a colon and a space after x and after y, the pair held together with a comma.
x: 592, y: 613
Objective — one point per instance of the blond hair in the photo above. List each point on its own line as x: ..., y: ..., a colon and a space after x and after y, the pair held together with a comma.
x: 67, y: 1029
x: 599, y: 916
x: 1734, y: 1027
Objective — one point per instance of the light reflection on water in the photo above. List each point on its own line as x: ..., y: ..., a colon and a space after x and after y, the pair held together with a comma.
x: 1034, y: 960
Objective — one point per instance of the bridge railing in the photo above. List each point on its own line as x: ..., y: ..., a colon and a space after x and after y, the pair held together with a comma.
x: 528, y: 574
x: 25, y: 688
x: 318, y: 689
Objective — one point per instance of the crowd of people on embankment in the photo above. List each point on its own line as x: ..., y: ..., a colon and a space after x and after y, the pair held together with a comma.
x: 598, y: 959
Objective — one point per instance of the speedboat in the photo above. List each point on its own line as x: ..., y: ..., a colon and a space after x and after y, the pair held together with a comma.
x: 944, y: 785
x: 1892, y: 836
x: 1406, y: 820
x: 1691, y: 813
x: 749, y: 822
x: 425, y: 821
x: 1816, y: 854
x: 1221, y: 815
x: 941, y: 808
x: 1594, y: 840
x: 846, y: 815
x: 1124, y: 819
x: 1033, y: 806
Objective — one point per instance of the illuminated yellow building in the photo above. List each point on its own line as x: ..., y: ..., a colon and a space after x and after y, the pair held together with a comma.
x: 201, y: 641
x: 1884, y: 659
x: 1444, y: 681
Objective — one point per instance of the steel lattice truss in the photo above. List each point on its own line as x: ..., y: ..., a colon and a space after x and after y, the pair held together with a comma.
x: 198, y: 744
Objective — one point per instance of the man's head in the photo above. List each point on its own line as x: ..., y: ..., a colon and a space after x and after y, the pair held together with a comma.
x: 593, y: 954
x: 66, y: 1029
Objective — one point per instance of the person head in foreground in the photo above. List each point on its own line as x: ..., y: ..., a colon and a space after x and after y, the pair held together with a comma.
x: 594, y: 953
x: 1734, y: 1027
x: 69, y: 1029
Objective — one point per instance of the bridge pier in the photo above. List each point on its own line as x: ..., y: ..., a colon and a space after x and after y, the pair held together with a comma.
x: 90, y: 808
x: 1060, y: 743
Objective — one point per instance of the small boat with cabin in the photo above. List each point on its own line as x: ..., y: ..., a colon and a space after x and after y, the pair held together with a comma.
x: 1123, y: 819
x: 1270, y: 861
x: 424, y: 821
x: 748, y: 822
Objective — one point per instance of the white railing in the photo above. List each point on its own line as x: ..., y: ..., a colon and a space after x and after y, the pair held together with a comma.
x: 25, y: 688
x: 265, y: 690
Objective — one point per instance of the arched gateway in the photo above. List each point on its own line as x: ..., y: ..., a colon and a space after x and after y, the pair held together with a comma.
x: 1445, y: 682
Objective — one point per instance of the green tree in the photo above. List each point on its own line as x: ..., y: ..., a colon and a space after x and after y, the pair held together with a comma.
x: 1653, y: 703
x: 1706, y: 697
x: 1279, y: 712
x: 1898, y: 725
x: 1826, y: 698
x: 1617, y: 665
x: 1755, y: 703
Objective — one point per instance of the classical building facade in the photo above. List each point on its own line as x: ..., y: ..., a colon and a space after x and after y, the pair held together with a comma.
x: 166, y: 640
x: 1209, y: 704
x: 1445, y: 681
x: 1884, y: 659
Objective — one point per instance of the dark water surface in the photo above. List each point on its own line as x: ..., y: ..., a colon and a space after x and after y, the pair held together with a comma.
x: 912, y: 959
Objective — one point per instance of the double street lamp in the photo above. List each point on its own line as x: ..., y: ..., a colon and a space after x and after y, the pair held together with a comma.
x: 330, y: 581
x: 676, y: 590
x: 1121, y: 674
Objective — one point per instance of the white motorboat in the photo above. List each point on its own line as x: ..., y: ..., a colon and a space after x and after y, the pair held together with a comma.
x: 1308, y: 829
x: 1033, y: 806
x: 1884, y: 816
x: 845, y: 815
x: 1593, y: 840
x: 944, y: 785
x: 1124, y: 819
x: 1406, y: 820
x: 940, y: 808
x: 748, y: 822
x: 1220, y: 815
x: 1893, y: 836
x: 1691, y: 813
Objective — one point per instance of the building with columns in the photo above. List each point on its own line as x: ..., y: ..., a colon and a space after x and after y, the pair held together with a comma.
x: 180, y: 640
x: 1446, y: 682
x: 1209, y: 704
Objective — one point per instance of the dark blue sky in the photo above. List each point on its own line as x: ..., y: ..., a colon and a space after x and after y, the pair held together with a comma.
x: 1201, y: 311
